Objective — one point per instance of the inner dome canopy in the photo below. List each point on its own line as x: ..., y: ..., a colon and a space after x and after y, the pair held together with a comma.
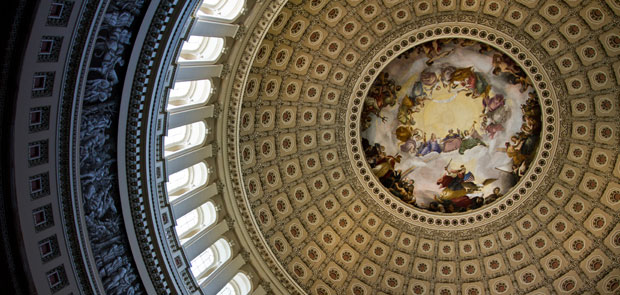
x: 450, y: 125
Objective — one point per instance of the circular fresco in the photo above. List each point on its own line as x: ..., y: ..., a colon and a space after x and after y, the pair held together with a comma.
x: 450, y: 125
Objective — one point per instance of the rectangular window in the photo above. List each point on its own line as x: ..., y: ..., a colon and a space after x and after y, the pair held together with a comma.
x: 46, y: 249
x: 39, y: 185
x: 34, y: 152
x: 35, y: 185
x: 57, y: 277
x: 38, y: 82
x: 38, y: 153
x: 43, y: 218
x: 54, y: 279
x: 46, y: 46
x: 43, y: 82
x: 36, y: 117
x: 56, y: 10
x: 39, y: 118
x: 39, y: 217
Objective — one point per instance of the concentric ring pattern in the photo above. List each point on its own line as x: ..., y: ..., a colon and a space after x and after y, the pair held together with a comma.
x: 322, y: 225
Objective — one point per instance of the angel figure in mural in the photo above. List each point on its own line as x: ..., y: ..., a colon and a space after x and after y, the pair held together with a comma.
x: 407, y: 117
x: 446, y: 74
x: 470, y: 139
x: 474, y: 83
x: 421, y: 91
x: 490, y: 127
x: 491, y: 104
x: 410, y: 139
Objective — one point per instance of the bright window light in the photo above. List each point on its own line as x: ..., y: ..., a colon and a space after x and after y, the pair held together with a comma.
x: 189, y: 93
x: 184, y: 137
x: 221, y: 9
x: 187, y: 180
x: 239, y: 285
x: 202, y: 262
x: 186, y: 222
x: 199, y: 48
x: 210, y: 259
x: 192, y: 223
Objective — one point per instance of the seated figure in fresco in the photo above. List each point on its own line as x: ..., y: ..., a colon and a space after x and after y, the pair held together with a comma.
x: 528, y: 136
x: 531, y: 108
x: 429, y: 80
x: 517, y: 151
x: 474, y: 82
x: 471, y: 139
x: 432, y: 145
x: 451, y: 142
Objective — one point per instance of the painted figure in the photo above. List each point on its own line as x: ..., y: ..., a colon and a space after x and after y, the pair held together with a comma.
x: 471, y: 139
x: 432, y: 145
x: 451, y: 142
x: 451, y: 183
x: 474, y: 82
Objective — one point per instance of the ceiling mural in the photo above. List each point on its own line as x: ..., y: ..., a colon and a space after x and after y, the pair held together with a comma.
x: 450, y: 125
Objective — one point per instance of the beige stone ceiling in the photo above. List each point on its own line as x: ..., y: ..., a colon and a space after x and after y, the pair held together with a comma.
x: 321, y: 228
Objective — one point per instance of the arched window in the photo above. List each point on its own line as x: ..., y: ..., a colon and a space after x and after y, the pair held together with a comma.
x: 187, y: 180
x: 221, y: 9
x: 199, y: 48
x: 195, y: 221
x: 210, y: 259
x: 185, y: 137
x: 239, y: 285
x: 189, y: 93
